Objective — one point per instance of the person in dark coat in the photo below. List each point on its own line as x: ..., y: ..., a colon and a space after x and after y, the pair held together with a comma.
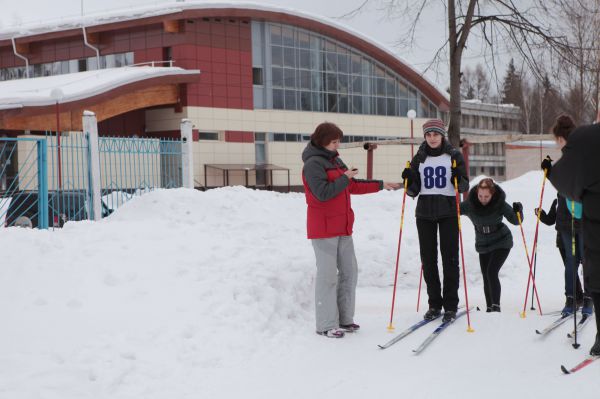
x: 486, y: 207
x: 328, y: 184
x: 560, y: 216
x: 576, y: 175
x: 431, y: 176
x: 568, y: 227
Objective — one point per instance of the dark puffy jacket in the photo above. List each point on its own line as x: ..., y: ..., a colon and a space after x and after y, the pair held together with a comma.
x: 560, y: 215
x: 328, y: 190
x: 490, y: 232
x: 576, y: 175
x: 434, y: 207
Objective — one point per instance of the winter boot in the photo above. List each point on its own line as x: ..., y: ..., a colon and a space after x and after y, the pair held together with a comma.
x: 568, y: 309
x: 432, y: 313
x: 449, y: 315
x: 489, y: 309
x: 352, y: 327
x: 496, y: 308
x: 332, y: 333
x: 588, y: 306
x: 595, y: 351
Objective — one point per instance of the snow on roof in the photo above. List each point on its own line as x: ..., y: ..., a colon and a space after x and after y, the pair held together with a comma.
x: 544, y: 143
x: 76, y: 86
x: 132, y: 13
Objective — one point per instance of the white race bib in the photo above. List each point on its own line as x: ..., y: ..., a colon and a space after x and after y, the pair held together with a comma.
x: 436, y: 175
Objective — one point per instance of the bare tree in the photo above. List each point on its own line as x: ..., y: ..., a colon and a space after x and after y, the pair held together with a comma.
x: 475, y: 84
x: 498, y: 23
x: 580, y: 71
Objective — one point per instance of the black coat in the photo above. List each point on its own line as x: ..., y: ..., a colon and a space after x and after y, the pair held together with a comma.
x: 434, y: 207
x: 560, y: 215
x: 576, y: 175
x: 490, y: 216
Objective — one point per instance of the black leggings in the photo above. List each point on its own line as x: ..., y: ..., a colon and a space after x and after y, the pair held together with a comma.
x: 428, y: 240
x: 490, y: 263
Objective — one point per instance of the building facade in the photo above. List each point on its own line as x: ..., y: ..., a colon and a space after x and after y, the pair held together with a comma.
x: 267, y: 77
x: 487, y: 121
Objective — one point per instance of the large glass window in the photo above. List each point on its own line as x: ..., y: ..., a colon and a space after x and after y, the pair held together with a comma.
x: 321, y: 74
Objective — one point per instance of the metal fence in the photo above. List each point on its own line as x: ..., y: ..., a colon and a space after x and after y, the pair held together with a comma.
x: 48, y: 180
x: 23, y: 182
x: 132, y: 166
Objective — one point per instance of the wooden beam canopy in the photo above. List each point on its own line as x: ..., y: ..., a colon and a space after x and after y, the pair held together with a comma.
x: 44, y: 118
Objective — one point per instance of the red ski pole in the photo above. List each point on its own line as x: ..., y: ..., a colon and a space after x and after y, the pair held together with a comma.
x: 391, y: 325
x: 533, y: 250
x: 531, y: 276
x: 462, y: 254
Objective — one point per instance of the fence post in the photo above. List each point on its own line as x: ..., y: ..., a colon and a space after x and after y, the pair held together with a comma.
x: 187, y: 154
x: 90, y: 130
x: 42, y: 166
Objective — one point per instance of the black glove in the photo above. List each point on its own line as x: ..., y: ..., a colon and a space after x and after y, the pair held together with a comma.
x: 456, y: 173
x: 407, y: 174
x: 542, y: 212
x: 547, y: 165
x: 518, y: 208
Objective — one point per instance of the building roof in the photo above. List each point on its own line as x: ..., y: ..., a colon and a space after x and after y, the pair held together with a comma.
x: 193, y: 9
x: 43, y: 91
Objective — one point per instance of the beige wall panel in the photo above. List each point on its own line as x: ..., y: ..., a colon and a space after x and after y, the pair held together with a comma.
x: 388, y: 160
x: 522, y: 160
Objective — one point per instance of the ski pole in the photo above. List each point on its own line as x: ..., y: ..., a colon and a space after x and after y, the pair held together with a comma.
x: 575, y: 276
x: 391, y: 325
x: 535, y: 238
x: 523, y: 314
x: 462, y: 255
x: 419, y: 294
x: 534, y: 270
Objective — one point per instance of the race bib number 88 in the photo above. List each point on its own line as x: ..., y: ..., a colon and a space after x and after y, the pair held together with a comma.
x: 435, y: 177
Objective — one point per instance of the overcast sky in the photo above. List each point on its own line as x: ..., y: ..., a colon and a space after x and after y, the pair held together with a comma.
x: 370, y: 22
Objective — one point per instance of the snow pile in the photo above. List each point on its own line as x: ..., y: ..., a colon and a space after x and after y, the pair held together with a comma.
x: 187, y: 294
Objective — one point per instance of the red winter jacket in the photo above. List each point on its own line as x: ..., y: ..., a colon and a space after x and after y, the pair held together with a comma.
x: 327, y: 191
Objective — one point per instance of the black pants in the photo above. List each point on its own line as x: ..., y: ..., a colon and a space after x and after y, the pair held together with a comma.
x: 490, y: 264
x: 428, y: 234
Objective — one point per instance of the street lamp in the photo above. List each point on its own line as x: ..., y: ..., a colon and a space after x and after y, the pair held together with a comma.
x: 411, y: 114
x: 57, y: 95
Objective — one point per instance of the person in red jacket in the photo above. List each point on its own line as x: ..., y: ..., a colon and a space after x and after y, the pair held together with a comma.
x: 328, y: 184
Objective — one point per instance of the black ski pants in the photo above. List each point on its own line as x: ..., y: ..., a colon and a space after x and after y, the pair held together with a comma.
x: 490, y: 264
x: 428, y: 243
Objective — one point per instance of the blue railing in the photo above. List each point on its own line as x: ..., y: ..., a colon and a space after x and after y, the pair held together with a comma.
x: 23, y: 182
x: 132, y: 166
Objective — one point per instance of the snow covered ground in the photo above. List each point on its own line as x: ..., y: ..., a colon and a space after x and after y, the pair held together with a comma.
x: 187, y: 294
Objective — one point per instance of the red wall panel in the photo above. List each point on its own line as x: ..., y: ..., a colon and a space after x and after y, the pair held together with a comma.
x: 239, y: 137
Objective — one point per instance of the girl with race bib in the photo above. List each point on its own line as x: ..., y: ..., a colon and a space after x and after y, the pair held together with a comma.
x: 431, y: 176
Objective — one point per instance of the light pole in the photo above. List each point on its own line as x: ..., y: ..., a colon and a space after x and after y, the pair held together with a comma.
x: 411, y: 114
x: 57, y: 94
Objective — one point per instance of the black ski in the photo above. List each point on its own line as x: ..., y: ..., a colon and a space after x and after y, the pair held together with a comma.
x: 556, y: 323
x: 437, y: 332
x: 406, y: 332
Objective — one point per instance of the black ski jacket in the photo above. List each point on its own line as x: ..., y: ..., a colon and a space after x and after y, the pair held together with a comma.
x: 434, y: 207
x: 490, y: 232
x: 576, y: 175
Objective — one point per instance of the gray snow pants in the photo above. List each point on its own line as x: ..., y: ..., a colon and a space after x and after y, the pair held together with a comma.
x: 335, y: 288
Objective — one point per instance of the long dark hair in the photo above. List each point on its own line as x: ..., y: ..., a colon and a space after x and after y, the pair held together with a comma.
x: 563, y: 126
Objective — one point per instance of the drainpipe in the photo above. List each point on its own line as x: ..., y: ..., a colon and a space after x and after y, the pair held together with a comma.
x: 21, y: 57
x: 85, y: 41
